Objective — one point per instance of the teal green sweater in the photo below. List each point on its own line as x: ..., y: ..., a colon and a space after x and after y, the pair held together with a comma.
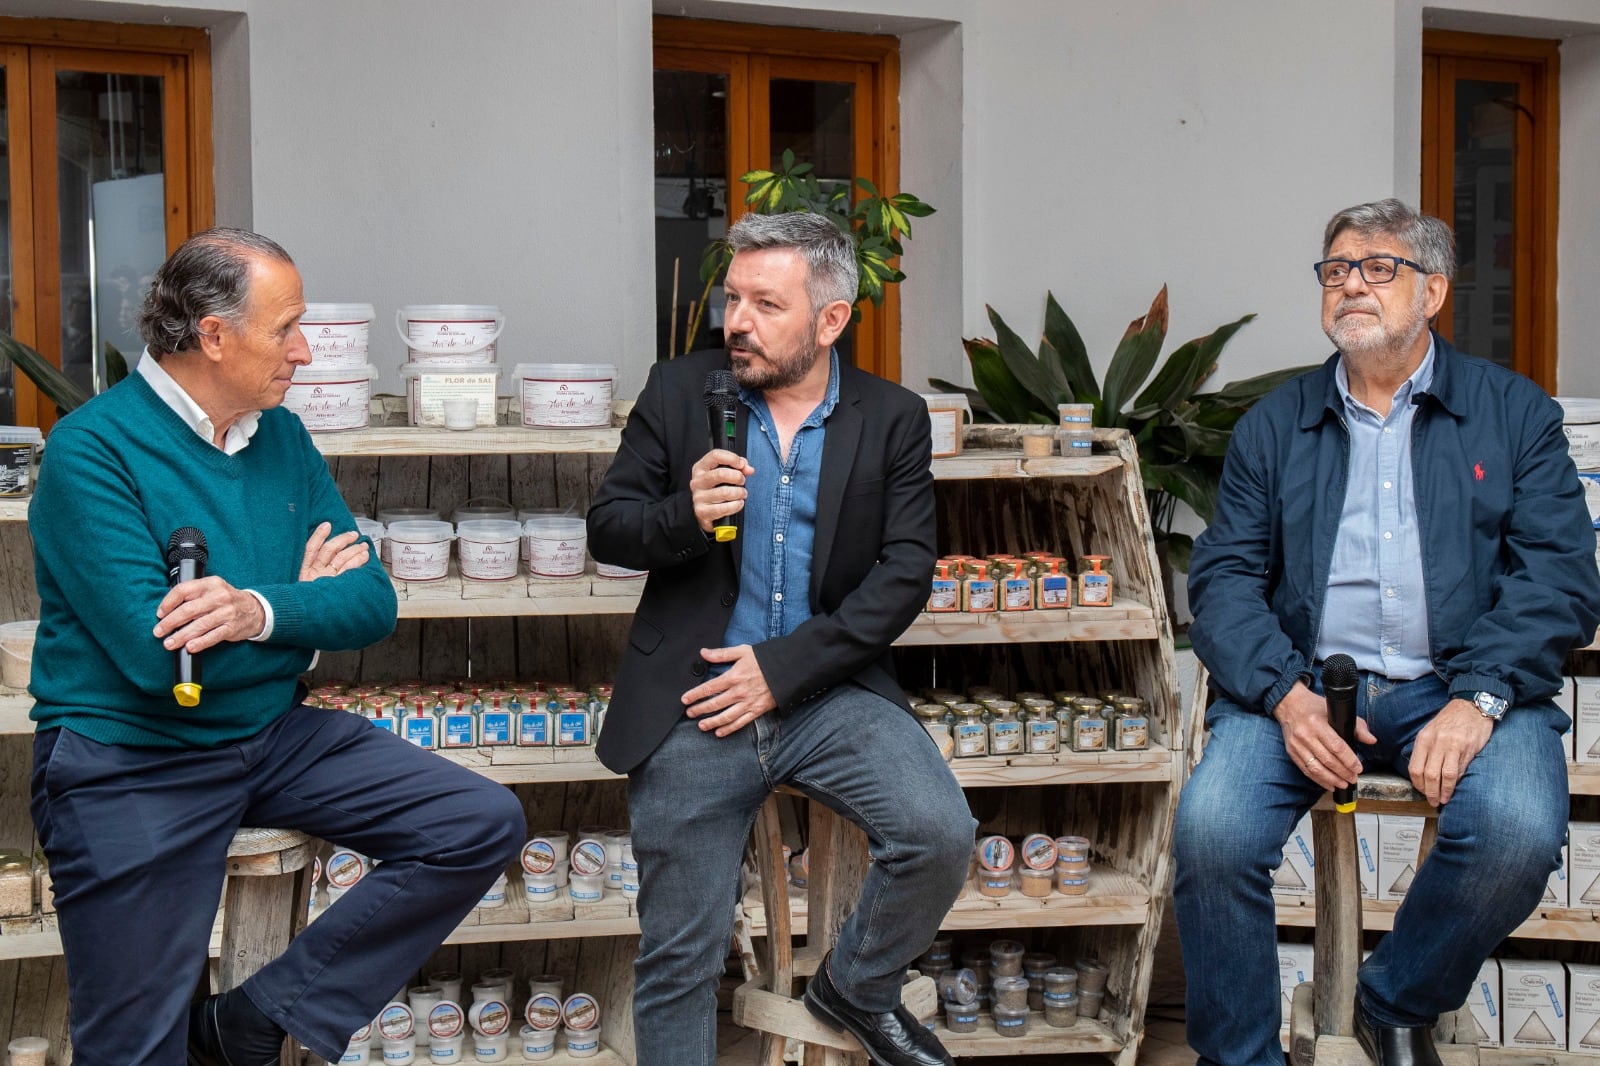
x: 118, y: 476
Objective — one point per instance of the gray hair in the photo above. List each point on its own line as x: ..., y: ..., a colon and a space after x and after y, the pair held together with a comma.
x: 1429, y: 239
x: 828, y: 251
x: 209, y: 274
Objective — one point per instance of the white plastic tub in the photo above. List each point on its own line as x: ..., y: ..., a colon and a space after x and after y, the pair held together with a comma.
x: 339, y: 334
x: 428, y: 386
x: 372, y: 530
x: 555, y: 546
x: 419, y: 550
x: 450, y: 334
x: 16, y: 652
x: 1580, y: 418
x: 390, y: 515
x: 330, y: 399
x: 487, y: 548
x: 565, y: 395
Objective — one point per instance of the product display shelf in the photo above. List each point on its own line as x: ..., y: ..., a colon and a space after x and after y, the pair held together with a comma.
x: 1547, y: 923
x: 1085, y: 1037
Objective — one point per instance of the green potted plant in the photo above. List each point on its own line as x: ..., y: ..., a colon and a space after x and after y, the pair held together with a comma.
x: 1181, y: 433
x: 56, y: 386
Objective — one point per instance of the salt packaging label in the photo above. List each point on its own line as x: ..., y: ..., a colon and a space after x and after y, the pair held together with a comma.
x: 1534, y: 996
x: 1484, y: 1003
x: 1294, y: 968
x: 496, y: 728
x: 1583, y: 1029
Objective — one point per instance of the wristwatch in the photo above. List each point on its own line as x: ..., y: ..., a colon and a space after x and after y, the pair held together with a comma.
x: 1489, y: 705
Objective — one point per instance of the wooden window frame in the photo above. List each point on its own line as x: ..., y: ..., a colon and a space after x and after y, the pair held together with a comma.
x: 34, y: 49
x: 1448, y: 54
x: 749, y: 55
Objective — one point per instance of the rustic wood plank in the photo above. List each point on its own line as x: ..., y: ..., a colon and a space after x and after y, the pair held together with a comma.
x: 1338, y: 933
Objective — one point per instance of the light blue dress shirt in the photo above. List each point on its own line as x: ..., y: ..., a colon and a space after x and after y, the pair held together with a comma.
x: 1376, y: 610
x: 779, y: 522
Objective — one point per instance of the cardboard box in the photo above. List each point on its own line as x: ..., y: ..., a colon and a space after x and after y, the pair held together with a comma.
x: 1399, y: 841
x: 1294, y: 968
x: 1583, y: 864
x: 1567, y: 700
x: 1295, y: 874
x: 1534, y: 995
x: 1484, y: 1002
x: 1586, y: 719
x: 1583, y: 999
x: 1367, y: 853
x: 1556, y: 889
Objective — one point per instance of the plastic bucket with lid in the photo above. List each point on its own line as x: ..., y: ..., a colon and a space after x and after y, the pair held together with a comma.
x: 419, y: 550
x: 338, y: 334
x: 479, y: 507
x: 389, y: 515
x: 19, y: 454
x: 487, y: 548
x: 329, y: 399
x: 1580, y: 421
x: 945, y: 411
x: 16, y: 652
x: 373, y: 531
x: 428, y: 386
x: 565, y: 395
x: 450, y: 334
x: 555, y: 546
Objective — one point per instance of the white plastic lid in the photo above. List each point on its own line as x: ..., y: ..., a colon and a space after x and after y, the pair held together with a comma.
x: 20, y: 435
x: 481, y: 530
x: 333, y: 375
x: 411, y: 370
x: 565, y: 528
x: 339, y: 313
x: 1579, y: 409
x: 566, y: 371
x: 369, y: 527
x: 946, y: 400
x: 420, y: 531
x: 449, y: 312
x: 407, y: 514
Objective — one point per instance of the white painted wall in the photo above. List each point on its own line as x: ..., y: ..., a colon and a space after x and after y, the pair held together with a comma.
x: 499, y: 151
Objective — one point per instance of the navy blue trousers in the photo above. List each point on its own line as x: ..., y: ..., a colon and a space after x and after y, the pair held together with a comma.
x: 137, y: 840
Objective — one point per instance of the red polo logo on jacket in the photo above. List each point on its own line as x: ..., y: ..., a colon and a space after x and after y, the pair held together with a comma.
x: 1477, y: 471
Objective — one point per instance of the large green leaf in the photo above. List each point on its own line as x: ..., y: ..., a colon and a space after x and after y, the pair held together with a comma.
x: 1211, y: 345
x: 1250, y: 390
x: 1193, y: 483
x: 999, y: 386
x: 1175, y: 380
x: 56, y: 386
x: 1132, y: 361
x: 1029, y: 372
x: 1064, y: 340
x: 1180, y: 548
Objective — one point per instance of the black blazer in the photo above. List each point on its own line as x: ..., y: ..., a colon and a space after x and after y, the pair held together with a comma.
x: 870, y: 569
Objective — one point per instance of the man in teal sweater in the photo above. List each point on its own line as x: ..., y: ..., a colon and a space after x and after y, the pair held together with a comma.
x: 136, y: 796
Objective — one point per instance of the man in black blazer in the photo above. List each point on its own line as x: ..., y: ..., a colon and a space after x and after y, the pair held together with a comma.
x: 764, y: 660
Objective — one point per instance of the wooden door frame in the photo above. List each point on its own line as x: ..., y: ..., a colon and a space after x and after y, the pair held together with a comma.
x: 181, y: 56
x: 1448, y: 54
x: 876, y: 120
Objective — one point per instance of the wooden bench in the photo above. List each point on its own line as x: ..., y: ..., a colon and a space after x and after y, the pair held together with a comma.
x: 264, y: 904
x: 767, y: 1002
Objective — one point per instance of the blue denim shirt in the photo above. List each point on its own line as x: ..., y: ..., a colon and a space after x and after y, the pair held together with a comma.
x: 1376, y: 611
x: 778, y: 524
x: 1507, y: 545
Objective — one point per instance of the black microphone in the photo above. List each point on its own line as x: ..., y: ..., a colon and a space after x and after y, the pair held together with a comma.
x: 1339, y: 688
x: 722, y: 419
x: 186, y: 560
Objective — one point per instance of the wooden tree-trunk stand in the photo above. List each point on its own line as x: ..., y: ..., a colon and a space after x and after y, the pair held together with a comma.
x: 767, y: 1002
x: 264, y: 903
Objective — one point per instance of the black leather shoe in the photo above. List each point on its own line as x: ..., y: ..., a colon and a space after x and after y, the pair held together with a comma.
x: 1391, y: 1045
x: 894, y: 1038
x: 252, y: 1039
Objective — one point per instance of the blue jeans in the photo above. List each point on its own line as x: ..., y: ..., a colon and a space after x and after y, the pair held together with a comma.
x: 138, y: 837
x: 1500, y: 837
x: 691, y: 805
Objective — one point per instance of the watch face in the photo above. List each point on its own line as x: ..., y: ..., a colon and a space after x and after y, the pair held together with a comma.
x: 1490, y: 705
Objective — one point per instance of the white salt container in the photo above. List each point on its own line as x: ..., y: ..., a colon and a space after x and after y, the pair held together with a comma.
x: 429, y: 386
x: 611, y: 570
x: 565, y: 395
x: 445, y: 335
x: 1580, y: 421
x: 487, y: 548
x: 537, y: 1044
x: 16, y: 652
x: 373, y: 531
x: 555, y: 546
x: 390, y: 515
x: 338, y: 334
x: 331, y: 399
x: 582, y: 1043
x: 419, y: 550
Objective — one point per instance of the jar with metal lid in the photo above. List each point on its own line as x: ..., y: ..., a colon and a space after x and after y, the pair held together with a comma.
x: 1088, y: 728
x: 1005, y: 732
x: 971, y: 735
x: 1064, y: 697
x: 1130, y: 730
x: 932, y: 718
x: 16, y: 884
x: 1043, y: 733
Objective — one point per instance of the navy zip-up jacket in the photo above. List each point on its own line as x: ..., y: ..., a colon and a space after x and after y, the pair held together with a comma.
x: 1508, y: 550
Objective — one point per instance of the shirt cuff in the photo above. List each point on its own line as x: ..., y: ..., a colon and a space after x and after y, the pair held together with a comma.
x: 266, y: 611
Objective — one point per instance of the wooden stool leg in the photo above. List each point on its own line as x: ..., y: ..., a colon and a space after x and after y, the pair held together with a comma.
x: 1337, y: 938
x: 839, y: 850
x: 778, y: 962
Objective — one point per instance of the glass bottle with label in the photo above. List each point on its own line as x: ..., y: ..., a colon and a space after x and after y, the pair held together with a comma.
x: 1005, y: 731
x: 572, y: 723
x: 978, y: 591
x: 421, y: 726
x: 1016, y: 586
x: 972, y: 735
x: 1088, y: 727
x: 1094, y: 585
x: 495, y: 725
x: 533, y: 724
x: 1053, y: 589
x: 945, y: 593
x: 460, y: 726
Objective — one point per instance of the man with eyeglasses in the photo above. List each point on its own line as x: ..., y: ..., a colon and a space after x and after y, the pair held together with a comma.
x: 1413, y: 508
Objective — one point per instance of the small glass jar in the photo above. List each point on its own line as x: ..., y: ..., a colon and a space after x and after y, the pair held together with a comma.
x: 1005, y: 958
x: 1088, y: 727
x: 1005, y: 732
x: 1061, y: 997
x: 971, y: 734
x: 16, y: 884
x: 1010, y: 1021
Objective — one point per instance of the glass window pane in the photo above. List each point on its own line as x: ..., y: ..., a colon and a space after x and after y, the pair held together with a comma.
x: 1486, y: 134
x: 109, y: 135
x: 691, y: 186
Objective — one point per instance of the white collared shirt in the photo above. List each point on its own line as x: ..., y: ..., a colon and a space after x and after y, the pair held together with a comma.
x: 244, y: 427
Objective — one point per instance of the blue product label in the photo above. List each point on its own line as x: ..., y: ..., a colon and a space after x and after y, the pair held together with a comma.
x: 533, y: 730
x: 496, y: 727
x: 1055, y: 590
x: 458, y: 731
x: 383, y: 722
x: 420, y: 731
x: 573, y: 728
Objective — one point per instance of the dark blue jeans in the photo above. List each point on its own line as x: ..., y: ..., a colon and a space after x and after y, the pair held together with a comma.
x: 137, y: 840
x: 692, y: 804
x: 1500, y: 837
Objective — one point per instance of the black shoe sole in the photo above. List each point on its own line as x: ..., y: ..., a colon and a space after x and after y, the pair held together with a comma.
x: 837, y: 1024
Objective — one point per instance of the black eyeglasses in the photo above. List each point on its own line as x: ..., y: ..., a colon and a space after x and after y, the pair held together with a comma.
x: 1375, y: 269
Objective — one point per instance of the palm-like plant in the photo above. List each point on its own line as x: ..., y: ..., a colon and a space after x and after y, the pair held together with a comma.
x: 1181, y: 433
